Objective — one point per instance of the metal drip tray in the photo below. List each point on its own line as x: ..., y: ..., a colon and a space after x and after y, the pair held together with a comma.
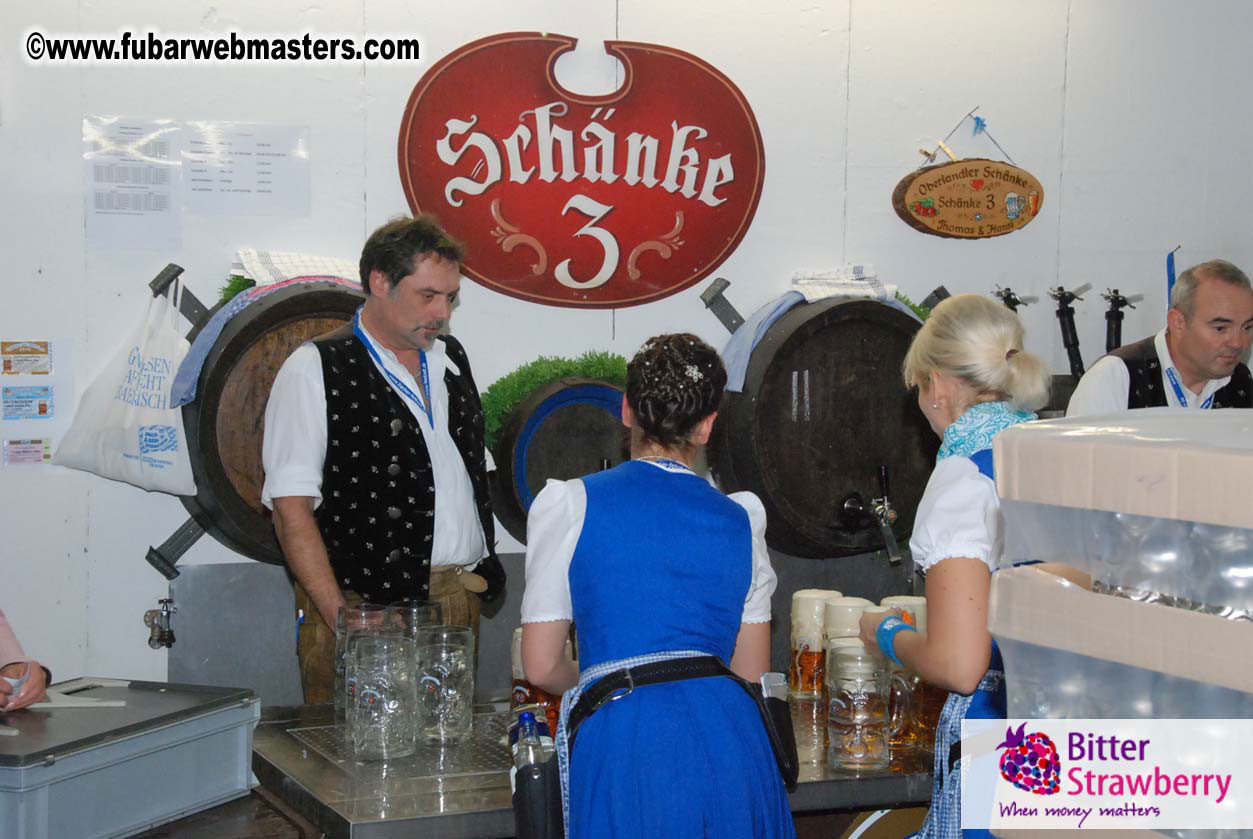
x: 485, y: 751
x: 461, y: 791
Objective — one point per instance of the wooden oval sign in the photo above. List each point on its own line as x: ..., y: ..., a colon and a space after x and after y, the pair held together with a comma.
x: 968, y: 199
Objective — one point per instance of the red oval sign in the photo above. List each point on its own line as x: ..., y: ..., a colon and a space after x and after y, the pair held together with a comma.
x: 568, y: 200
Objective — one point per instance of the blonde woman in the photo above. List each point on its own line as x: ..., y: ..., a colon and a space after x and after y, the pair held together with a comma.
x: 974, y: 380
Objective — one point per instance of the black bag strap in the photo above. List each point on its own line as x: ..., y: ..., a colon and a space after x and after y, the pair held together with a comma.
x: 621, y: 683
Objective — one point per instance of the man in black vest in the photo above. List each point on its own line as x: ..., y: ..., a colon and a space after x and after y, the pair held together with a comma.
x: 1193, y: 363
x: 373, y: 453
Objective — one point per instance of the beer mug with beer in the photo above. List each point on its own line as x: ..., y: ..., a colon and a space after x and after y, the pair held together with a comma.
x: 806, y: 666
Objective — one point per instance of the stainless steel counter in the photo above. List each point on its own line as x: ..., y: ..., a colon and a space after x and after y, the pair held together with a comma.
x: 463, y: 792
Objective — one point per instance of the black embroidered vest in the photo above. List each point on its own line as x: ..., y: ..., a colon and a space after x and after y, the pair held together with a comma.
x: 377, y: 514
x: 1147, y: 391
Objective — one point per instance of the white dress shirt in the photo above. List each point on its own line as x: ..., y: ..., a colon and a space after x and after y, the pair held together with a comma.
x: 1104, y: 387
x: 294, y: 448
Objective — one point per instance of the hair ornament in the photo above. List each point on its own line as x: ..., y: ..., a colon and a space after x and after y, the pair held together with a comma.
x: 694, y: 373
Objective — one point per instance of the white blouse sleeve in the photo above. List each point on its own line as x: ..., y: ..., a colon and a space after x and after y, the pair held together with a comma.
x: 553, y: 526
x: 293, y: 448
x: 757, y: 604
x: 959, y: 515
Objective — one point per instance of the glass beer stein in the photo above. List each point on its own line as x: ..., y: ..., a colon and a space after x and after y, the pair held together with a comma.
x: 805, y: 669
x: 906, y: 746
x: 861, y: 713
x: 445, y: 659
x: 381, y: 716
x: 351, y: 621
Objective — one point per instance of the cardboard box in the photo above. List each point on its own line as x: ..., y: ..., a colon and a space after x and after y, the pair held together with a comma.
x: 1117, y: 645
x: 1161, y: 462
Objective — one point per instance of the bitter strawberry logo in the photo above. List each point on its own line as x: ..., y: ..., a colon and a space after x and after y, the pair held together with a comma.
x: 1030, y: 761
x: 585, y: 201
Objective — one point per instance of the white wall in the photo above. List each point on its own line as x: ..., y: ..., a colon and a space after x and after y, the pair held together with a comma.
x: 1132, y: 114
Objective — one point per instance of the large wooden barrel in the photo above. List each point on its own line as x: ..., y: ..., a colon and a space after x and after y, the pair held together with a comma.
x: 226, y: 421
x: 823, y: 408
x: 566, y: 429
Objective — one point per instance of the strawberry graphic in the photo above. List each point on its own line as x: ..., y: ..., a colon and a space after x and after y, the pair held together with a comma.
x: 1030, y: 762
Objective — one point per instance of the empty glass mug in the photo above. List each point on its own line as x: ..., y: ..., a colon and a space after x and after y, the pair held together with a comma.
x: 445, y: 657
x: 407, y: 615
x: 382, y: 714
x: 350, y: 621
x: 861, y: 713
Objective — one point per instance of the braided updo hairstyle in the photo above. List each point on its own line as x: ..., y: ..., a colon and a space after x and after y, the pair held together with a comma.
x: 673, y: 383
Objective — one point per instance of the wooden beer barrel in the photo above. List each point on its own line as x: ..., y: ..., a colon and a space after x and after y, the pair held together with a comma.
x: 823, y: 407
x: 565, y: 429
x: 226, y: 421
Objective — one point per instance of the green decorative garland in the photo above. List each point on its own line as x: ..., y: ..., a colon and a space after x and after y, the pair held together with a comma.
x: 509, y: 390
x: 921, y: 311
x: 234, y: 285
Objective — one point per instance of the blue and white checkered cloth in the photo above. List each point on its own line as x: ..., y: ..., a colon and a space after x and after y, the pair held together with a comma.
x: 944, y: 819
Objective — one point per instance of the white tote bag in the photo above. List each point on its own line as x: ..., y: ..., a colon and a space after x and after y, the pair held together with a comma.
x: 124, y: 428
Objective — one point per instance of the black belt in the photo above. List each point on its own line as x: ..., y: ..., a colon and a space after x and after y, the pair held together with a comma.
x: 774, y: 712
x: 620, y: 683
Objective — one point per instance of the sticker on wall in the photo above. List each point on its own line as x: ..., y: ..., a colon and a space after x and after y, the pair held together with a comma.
x: 973, y: 198
x: 26, y: 403
x: 582, y: 201
x: 34, y: 452
x: 25, y: 357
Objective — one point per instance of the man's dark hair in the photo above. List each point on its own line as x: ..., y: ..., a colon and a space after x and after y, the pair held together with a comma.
x: 395, y: 247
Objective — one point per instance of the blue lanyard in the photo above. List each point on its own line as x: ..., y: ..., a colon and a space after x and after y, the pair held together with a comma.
x: 393, y: 378
x: 1183, y: 400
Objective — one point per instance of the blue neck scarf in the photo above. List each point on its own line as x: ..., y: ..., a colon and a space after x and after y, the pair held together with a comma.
x: 973, y: 431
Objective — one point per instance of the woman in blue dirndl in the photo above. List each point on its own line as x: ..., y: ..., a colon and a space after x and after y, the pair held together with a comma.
x: 651, y: 563
x: 974, y: 380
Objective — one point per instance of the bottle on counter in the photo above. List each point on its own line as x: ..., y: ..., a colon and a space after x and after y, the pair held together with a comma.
x: 535, y: 782
x: 524, y: 693
x: 532, y: 750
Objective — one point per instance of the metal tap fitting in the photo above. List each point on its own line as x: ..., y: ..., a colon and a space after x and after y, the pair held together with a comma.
x: 158, y: 621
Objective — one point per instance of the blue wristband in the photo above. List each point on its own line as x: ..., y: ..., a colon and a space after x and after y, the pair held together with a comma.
x: 886, y: 636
